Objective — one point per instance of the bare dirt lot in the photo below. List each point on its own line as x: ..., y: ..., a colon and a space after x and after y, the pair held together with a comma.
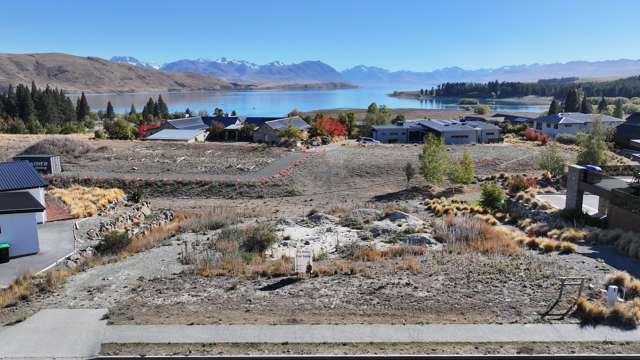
x: 114, y: 158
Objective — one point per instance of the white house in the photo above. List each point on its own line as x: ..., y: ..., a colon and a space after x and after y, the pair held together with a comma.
x: 269, y: 132
x: 18, y: 222
x: 571, y: 123
x: 20, y: 176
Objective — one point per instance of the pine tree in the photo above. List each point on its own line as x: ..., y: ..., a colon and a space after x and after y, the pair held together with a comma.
x: 24, y: 103
x: 619, y: 111
x: 554, y: 108
x: 110, y: 114
x: 148, y: 111
x: 162, y: 108
x: 82, y: 108
x: 187, y: 112
x: 132, y: 110
x: 602, y: 106
x: 585, y: 106
x: 10, y: 103
x: 572, y: 101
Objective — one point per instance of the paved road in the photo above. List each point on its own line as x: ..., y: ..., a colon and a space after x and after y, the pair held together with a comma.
x: 589, y: 203
x: 364, y: 333
x: 55, y: 333
x: 56, y: 241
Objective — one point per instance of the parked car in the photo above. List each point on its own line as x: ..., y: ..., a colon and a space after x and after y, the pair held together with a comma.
x: 367, y: 140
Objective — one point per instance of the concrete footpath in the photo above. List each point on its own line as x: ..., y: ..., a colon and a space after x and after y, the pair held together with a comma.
x: 80, y: 334
x: 55, y: 333
x: 473, y: 333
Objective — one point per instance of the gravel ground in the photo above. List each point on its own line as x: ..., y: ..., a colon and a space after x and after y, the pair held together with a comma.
x: 371, y: 349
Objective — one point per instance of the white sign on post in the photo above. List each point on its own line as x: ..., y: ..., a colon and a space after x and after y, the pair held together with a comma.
x: 304, y: 260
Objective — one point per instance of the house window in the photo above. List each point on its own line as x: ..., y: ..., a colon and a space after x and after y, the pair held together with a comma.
x: 538, y: 125
x: 490, y: 134
x: 459, y: 136
x: 555, y: 126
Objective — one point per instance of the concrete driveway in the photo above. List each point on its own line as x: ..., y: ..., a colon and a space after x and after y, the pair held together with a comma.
x: 56, y: 241
x: 589, y: 203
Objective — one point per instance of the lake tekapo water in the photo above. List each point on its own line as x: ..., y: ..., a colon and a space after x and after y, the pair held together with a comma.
x: 280, y: 102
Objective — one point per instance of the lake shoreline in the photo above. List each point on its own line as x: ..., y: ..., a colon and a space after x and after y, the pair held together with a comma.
x: 525, y: 100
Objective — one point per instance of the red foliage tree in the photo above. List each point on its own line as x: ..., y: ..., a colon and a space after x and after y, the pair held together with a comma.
x: 331, y: 127
x: 143, y: 128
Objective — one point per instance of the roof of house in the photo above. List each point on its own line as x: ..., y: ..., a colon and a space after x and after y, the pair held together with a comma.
x: 514, y: 115
x: 576, y: 118
x: 633, y: 119
x: 257, y: 120
x: 175, y: 135
x: 281, y: 124
x: 224, y: 120
x: 19, y: 175
x: 446, y: 125
x: 190, y: 123
x: 481, y: 125
x: 19, y: 202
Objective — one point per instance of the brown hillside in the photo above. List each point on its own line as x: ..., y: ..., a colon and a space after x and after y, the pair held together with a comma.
x: 92, y: 74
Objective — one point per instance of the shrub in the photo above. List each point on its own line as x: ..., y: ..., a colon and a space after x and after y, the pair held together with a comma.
x: 566, y: 139
x: 462, y: 170
x: 467, y: 101
x: 87, y: 201
x: 469, y: 233
x: 61, y: 146
x: 492, y: 196
x: 100, y: 134
x: 409, y: 172
x: 621, y: 279
x: 550, y: 160
x: 258, y: 238
x: 517, y: 183
x: 136, y: 195
x: 434, y: 159
x: 410, y: 265
x: 481, y: 109
x: 113, y: 242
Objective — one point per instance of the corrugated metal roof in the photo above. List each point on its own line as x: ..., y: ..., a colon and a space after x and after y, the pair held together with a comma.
x: 19, y: 175
x: 283, y: 123
x: 191, y: 123
x: 176, y: 135
x: 19, y: 202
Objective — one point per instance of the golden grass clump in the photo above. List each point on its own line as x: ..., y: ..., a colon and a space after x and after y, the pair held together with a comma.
x: 568, y: 234
x: 625, y: 315
x: 87, y: 201
x: 621, y: 279
x: 21, y: 289
x: 370, y: 253
x: 411, y: 265
x: 443, y: 206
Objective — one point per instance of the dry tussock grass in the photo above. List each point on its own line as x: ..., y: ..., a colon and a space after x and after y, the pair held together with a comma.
x: 155, y: 235
x: 87, y: 201
x: 626, y: 242
x: 568, y: 234
x: 443, y: 206
x: 624, y: 315
x: 411, y: 265
x: 370, y: 253
x: 466, y: 233
x: 625, y: 282
x: 236, y: 266
x: 339, y: 267
x: 21, y: 289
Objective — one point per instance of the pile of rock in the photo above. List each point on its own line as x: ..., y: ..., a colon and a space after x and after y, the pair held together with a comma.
x: 324, y: 234
x: 132, y: 221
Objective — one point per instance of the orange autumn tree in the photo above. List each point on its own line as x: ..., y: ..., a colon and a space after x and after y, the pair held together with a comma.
x: 322, y: 126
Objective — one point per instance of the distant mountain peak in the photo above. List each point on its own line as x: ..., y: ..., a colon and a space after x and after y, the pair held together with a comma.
x: 135, y: 62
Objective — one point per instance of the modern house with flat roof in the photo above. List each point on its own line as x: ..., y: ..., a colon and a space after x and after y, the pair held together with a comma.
x: 18, y: 222
x: 269, y: 131
x: 20, y: 176
x: 452, y: 131
x: 571, y: 123
x: 628, y: 133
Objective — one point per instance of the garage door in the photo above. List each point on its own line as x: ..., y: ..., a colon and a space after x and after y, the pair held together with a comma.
x: 458, y: 140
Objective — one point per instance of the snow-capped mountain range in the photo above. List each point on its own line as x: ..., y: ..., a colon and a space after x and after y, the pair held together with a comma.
x: 317, y: 71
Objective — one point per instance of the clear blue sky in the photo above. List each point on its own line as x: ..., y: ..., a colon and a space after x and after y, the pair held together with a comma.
x: 395, y: 34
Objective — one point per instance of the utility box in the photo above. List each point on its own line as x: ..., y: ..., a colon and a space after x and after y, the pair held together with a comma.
x: 4, y: 253
x: 44, y: 164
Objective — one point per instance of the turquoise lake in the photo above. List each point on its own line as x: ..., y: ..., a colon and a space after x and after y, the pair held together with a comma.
x: 280, y: 102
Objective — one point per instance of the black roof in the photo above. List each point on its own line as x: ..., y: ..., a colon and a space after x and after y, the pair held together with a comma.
x: 19, y: 202
x: 224, y: 120
x: 19, y: 175
x: 259, y: 120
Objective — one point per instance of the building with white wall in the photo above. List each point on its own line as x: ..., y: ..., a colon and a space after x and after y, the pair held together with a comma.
x: 571, y: 123
x: 20, y: 176
x: 18, y: 222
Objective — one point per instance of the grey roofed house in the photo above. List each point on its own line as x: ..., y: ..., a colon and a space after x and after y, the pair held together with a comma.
x: 269, y: 131
x: 19, y: 212
x: 571, y: 123
x: 187, y: 135
x: 19, y: 175
x: 628, y: 133
x: 576, y: 118
x: 452, y: 131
